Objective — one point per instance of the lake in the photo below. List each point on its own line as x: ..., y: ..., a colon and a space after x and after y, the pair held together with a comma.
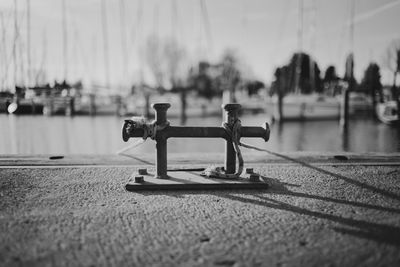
x: 102, y: 135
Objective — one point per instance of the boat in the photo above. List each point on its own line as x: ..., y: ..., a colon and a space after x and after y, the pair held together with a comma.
x: 387, y: 112
x: 25, y: 101
x: 6, y: 98
x: 252, y: 104
x: 26, y: 106
x: 305, y: 107
x: 360, y: 104
x: 99, y: 103
x: 195, y: 106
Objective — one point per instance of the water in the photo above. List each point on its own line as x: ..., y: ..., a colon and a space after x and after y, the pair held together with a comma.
x: 102, y: 135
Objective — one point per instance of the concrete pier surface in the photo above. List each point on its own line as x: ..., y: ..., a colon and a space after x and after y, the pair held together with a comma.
x: 320, y: 210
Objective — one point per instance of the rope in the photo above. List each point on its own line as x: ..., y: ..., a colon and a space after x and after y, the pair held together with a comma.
x: 234, y: 134
x: 137, y: 143
x: 275, y: 154
x: 153, y: 128
x: 149, y: 130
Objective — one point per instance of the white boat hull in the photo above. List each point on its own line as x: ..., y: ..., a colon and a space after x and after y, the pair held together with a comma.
x: 305, y: 108
x: 387, y: 112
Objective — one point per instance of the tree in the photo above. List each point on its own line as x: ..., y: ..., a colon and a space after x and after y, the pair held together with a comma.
x: 154, y: 59
x: 330, y: 81
x: 349, y: 73
x: 306, y: 78
x: 281, y: 87
x: 392, y: 63
x: 371, y: 82
x: 174, y: 56
x: 253, y: 87
x: 330, y: 75
x: 229, y: 77
x: 201, y: 81
x: 165, y: 59
x: 391, y: 59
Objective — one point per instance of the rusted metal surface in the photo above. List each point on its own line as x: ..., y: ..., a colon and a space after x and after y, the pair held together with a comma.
x: 161, y: 140
x: 194, y: 181
x: 142, y: 171
x: 139, y: 179
x: 160, y: 131
x: 254, y: 177
x: 249, y: 170
x: 231, y: 116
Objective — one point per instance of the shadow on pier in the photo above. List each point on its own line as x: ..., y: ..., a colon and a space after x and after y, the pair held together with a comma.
x: 378, y: 232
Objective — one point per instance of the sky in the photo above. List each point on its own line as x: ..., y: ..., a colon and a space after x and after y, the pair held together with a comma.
x: 264, y: 34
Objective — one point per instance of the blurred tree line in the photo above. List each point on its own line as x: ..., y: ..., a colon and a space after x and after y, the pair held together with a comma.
x: 167, y: 61
x: 302, y: 75
x: 168, y: 64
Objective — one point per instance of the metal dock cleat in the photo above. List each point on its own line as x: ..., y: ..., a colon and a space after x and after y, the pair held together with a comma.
x: 227, y: 177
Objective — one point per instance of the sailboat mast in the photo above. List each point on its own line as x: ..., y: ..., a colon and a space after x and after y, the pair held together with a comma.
x: 352, y: 13
x: 65, y: 39
x: 155, y: 19
x: 138, y: 34
x: 124, y: 48
x: 176, y: 30
x: 312, y: 45
x: 21, y: 64
x: 350, y: 59
x: 299, y: 46
x: 300, y: 26
x: 28, y: 41
x: 207, y: 26
x: 43, y: 64
x: 4, y: 52
x: 15, y: 42
x: 93, y: 57
x: 105, y: 43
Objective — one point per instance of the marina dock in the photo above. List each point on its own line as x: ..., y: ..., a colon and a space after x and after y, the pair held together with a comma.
x: 321, y: 209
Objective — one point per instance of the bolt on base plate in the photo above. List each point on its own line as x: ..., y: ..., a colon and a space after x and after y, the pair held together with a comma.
x: 194, y: 181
